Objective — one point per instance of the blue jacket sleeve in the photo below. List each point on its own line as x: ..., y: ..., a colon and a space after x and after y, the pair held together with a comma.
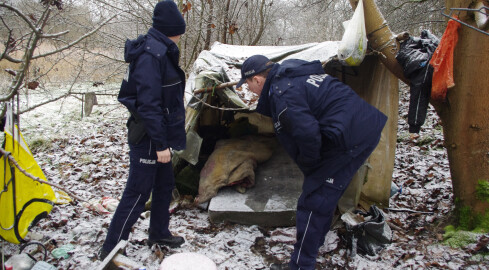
x: 149, y: 98
x: 305, y: 131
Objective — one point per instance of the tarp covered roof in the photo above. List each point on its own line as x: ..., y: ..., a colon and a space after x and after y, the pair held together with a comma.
x: 230, y: 57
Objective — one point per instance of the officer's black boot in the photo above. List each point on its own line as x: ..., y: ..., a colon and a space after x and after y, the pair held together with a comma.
x: 102, y: 254
x: 172, y: 241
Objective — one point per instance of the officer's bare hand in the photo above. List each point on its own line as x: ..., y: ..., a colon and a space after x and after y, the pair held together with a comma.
x: 164, y: 156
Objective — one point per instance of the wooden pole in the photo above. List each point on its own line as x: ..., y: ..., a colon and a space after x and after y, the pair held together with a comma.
x: 220, y: 86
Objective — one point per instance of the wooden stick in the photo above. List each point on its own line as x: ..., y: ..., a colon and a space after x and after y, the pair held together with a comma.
x: 408, y: 210
x: 224, y: 85
x: 211, y: 88
x: 11, y: 158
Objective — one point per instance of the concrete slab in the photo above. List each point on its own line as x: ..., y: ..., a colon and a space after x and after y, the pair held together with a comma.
x: 271, y: 202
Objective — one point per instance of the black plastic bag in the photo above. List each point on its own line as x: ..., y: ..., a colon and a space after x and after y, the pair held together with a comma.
x: 368, y: 236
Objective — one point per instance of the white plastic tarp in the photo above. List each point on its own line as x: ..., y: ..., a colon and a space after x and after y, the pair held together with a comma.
x: 231, y: 57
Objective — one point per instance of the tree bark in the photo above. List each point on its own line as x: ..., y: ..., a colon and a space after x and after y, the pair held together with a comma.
x: 465, y: 114
x: 208, y: 34
x: 225, y: 22
x: 262, y: 24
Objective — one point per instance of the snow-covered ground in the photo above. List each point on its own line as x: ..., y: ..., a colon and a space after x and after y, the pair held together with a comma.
x: 89, y: 157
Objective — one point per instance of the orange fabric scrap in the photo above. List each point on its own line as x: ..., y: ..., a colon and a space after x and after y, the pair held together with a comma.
x: 442, y: 62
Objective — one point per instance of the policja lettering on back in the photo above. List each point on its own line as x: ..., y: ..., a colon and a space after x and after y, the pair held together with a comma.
x: 316, y: 80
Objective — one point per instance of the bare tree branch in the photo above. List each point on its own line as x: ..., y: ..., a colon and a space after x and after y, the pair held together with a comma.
x: 14, y: 87
x: 44, y: 103
x: 37, y: 179
x: 7, y: 42
x: 10, y: 59
x: 54, y: 35
x: 217, y: 87
x: 24, y: 18
x: 76, y: 41
x: 408, y: 2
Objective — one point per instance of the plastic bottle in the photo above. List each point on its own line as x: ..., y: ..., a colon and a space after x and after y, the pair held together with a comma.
x: 20, y: 262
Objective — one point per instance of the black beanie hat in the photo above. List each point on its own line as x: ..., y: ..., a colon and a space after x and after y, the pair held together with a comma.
x: 167, y: 19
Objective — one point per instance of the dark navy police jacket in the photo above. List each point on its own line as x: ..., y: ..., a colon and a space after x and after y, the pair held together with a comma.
x: 153, y: 88
x: 321, y: 122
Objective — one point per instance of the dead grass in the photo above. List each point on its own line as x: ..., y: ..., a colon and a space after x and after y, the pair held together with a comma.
x: 64, y: 67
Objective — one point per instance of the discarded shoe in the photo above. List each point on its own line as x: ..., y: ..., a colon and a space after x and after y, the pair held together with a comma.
x: 102, y: 254
x: 172, y: 241
x: 277, y: 266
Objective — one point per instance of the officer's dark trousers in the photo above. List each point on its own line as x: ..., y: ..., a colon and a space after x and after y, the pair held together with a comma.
x: 315, y: 213
x: 145, y: 175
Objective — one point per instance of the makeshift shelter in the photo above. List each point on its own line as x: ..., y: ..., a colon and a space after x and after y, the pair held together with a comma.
x: 210, y: 115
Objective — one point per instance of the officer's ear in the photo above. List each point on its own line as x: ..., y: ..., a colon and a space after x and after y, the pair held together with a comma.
x: 254, y: 79
x: 260, y: 80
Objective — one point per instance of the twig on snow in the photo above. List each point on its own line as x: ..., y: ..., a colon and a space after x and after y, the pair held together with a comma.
x: 408, y: 210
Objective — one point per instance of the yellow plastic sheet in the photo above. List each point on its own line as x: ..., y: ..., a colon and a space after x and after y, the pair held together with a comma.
x: 23, y: 201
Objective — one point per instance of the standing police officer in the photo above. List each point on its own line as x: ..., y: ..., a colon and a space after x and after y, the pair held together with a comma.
x: 153, y: 92
x: 327, y: 129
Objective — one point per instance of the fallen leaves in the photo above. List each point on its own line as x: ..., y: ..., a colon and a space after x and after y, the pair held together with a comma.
x: 101, y: 141
x: 32, y: 85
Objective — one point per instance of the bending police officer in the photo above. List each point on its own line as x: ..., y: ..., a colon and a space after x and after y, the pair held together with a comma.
x: 327, y: 129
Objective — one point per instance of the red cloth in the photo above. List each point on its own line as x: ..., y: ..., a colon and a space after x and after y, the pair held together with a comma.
x: 442, y: 62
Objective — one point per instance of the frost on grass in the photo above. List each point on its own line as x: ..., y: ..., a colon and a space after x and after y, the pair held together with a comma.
x: 89, y: 156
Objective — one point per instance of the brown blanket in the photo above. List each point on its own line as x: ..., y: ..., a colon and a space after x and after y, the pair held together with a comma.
x: 232, y: 163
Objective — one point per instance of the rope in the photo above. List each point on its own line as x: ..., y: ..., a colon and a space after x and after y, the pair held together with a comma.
x: 384, y: 25
x: 385, y: 45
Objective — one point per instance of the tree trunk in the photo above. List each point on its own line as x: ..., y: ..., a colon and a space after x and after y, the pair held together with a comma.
x: 225, y: 22
x: 208, y: 34
x: 465, y: 115
x: 262, y: 24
